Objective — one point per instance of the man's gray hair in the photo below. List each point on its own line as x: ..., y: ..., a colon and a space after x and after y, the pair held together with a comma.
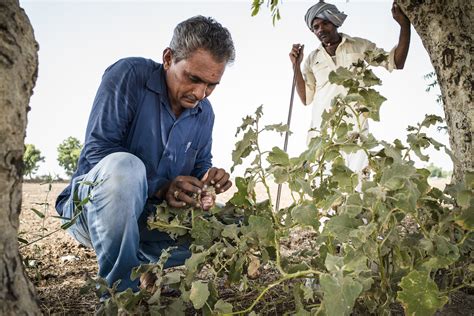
x: 205, y: 33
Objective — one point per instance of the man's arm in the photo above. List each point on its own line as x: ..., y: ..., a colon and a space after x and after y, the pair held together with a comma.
x: 403, y: 45
x: 113, y: 107
x: 296, y: 57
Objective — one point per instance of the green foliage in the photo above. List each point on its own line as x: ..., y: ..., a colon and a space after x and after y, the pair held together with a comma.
x: 31, y: 159
x: 271, y: 4
x: 438, y: 172
x: 388, y: 234
x: 68, y: 154
x: 420, y: 294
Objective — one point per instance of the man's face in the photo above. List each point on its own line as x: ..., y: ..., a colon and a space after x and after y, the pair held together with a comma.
x: 325, y: 31
x: 192, y: 79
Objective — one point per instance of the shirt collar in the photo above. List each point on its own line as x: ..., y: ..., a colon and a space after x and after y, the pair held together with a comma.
x: 157, y: 84
x: 344, y: 36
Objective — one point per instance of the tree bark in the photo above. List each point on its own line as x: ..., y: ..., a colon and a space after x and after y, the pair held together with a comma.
x: 445, y: 28
x: 18, y: 68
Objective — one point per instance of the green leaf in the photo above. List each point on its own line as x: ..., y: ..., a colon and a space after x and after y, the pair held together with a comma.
x: 194, y: 262
x: 340, y: 294
x: 343, y: 76
x: 344, y: 176
x: 466, y: 219
x: 202, y: 232
x: 263, y: 229
x: 176, y: 308
x: 301, y: 184
x: 244, y: 197
x: 235, y: 272
x: 40, y: 214
x: 407, y: 197
x: 373, y: 101
x: 431, y: 119
x: 231, y: 231
x: 353, y: 205
x: 281, y: 128
x: 172, y: 277
x: 280, y: 174
x: 278, y: 157
x: 393, y: 177
x: 199, y: 294
x: 306, y: 214
x: 333, y: 263
x: 22, y: 240
x: 370, y: 79
x: 340, y: 227
x: 463, y: 197
x: 420, y: 295
x: 355, y: 262
x: 243, y: 147
x: 222, y: 307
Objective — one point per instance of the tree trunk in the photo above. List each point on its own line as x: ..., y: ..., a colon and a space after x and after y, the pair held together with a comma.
x: 18, y: 68
x: 445, y: 28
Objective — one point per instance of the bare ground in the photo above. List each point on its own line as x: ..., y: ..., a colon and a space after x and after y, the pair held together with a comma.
x: 59, y: 266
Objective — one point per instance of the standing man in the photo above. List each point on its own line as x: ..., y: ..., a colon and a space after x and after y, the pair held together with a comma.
x: 148, y: 139
x: 338, y: 50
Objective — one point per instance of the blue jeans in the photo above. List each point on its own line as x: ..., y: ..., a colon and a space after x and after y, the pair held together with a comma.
x: 113, y: 222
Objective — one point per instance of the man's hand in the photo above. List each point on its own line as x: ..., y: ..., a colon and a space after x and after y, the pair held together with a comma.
x: 399, y: 16
x: 181, y: 190
x: 218, y: 178
x: 296, y: 54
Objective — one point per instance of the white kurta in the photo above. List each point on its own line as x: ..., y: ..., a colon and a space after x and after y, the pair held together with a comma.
x: 320, y: 92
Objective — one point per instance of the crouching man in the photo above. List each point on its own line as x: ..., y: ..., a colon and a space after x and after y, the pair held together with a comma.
x: 148, y: 139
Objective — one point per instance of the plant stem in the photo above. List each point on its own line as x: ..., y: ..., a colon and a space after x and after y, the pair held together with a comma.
x: 42, y: 237
x: 272, y: 285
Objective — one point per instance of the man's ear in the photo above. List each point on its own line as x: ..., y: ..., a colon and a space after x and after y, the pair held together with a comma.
x: 167, y: 58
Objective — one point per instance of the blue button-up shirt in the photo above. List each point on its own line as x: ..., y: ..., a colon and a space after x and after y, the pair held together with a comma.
x: 131, y: 113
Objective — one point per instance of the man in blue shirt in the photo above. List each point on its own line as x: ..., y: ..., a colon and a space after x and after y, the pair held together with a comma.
x: 148, y: 139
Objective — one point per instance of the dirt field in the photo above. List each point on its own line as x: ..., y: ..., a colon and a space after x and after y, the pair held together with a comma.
x: 59, y: 266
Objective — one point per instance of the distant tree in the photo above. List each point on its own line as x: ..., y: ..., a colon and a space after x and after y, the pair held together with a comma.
x: 68, y: 154
x: 437, y: 172
x: 31, y: 159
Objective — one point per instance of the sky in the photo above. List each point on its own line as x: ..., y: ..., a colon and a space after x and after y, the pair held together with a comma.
x: 78, y: 40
